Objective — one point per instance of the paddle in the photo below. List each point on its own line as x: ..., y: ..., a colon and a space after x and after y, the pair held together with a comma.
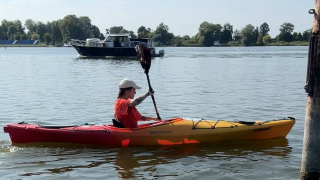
x: 145, y: 60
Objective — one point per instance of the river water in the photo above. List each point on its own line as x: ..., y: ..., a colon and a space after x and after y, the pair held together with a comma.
x: 52, y: 86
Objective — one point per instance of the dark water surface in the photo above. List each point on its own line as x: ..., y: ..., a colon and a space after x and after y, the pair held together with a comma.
x: 52, y: 86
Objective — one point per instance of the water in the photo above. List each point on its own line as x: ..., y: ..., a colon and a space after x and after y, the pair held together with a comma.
x: 52, y: 86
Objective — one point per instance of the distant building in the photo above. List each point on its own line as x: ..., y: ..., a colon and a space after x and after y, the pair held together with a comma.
x: 216, y: 43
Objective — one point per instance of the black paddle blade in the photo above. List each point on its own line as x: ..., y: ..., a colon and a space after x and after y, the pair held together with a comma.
x: 144, y: 56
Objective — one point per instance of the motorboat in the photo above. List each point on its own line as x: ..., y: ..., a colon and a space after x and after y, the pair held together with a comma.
x: 114, y: 45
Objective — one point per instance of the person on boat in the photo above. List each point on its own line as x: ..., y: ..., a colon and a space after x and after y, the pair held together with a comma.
x: 125, y: 110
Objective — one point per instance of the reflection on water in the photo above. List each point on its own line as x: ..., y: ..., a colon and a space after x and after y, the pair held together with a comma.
x: 237, y: 52
x: 107, y: 57
x: 128, y: 159
x: 136, y: 162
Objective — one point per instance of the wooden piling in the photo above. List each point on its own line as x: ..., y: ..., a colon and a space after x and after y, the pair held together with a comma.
x: 310, y: 165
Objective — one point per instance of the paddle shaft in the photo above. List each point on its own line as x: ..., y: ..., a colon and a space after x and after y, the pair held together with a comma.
x: 152, y: 96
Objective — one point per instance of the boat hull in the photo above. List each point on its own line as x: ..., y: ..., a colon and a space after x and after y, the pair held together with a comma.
x: 109, y: 51
x: 170, y: 132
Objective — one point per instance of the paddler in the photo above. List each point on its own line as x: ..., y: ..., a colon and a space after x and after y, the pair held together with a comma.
x: 125, y: 105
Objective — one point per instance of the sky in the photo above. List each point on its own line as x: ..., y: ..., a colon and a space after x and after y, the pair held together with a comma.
x: 183, y: 17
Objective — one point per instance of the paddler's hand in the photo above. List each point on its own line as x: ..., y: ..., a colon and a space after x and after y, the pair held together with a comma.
x: 150, y: 92
x: 155, y: 119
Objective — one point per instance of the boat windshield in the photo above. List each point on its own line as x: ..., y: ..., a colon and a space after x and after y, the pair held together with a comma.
x: 117, y: 38
x: 110, y: 39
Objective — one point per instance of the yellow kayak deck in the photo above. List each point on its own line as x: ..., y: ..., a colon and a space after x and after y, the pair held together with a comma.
x: 187, y: 131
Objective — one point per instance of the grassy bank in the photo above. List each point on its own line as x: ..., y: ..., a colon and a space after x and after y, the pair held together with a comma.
x: 27, y: 45
x: 230, y: 44
x: 23, y: 45
x: 294, y: 43
x: 237, y: 43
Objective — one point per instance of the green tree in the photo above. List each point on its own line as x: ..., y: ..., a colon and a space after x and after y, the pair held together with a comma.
x: 47, y: 38
x: 286, y: 37
x: 29, y: 35
x: 41, y: 29
x: 56, y: 33
x: 11, y: 31
x: 177, y: 41
x: 19, y: 27
x: 30, y: 25
x: 70, y: 28
x: 186, y: 38
x: 101, y: 36
x: 267, y: 39
x: 205, y: 34
x: 23, y: 37
x: 143, y: 31
x: 86, y: 27
x: 165, y: 36
x: 35, y: 36
x: 95, y: 31
x: 192, y: 40
x: 248, y: 35
x: 49, y: 27
x: 163, y: 27
x: 114, y: 30
x: 286, y: 28
x: 17, y: 36
x: 264, y: 29
x: 227, y: 32
x: 1, y: 33
x: 256, y: 32
x: 131, y: 33
x: 306, y: 34
x: 5, y: 27
x: 260, y: 40
x: 217, y: 32
x: 236, y: 35
x: 299, y: 36
x: 73, y: 27
x: 285, y: 32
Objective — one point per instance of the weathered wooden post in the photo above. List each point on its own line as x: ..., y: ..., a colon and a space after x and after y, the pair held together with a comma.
x: 310, y: 165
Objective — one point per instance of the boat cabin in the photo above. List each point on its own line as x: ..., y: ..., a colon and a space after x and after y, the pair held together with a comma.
x: 118, y: 40
x: 123, y: 40
x: 114, y: 41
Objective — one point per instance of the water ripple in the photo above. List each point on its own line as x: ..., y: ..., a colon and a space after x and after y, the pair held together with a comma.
x: 53, y: 86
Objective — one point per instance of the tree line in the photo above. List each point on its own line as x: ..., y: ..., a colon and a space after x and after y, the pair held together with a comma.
x: 73, y: 27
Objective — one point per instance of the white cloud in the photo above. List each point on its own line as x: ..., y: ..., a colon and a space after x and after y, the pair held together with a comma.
x: 120, y: 2
x: 40, y: 2
x: 105, y: 4
x: 69, y: 10
x: 5, y: 9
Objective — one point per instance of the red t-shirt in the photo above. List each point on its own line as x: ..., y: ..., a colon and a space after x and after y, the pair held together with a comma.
x: 128, y: 116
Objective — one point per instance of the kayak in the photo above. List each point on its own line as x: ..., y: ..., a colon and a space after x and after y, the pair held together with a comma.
x: 176, y: 131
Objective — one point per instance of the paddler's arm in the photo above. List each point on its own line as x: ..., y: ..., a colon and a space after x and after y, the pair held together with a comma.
x: 138, y: 100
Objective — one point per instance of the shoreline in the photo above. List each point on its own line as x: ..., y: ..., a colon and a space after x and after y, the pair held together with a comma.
x: 294, y: 43
x: 13, y: 46
x: 41, y: 45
